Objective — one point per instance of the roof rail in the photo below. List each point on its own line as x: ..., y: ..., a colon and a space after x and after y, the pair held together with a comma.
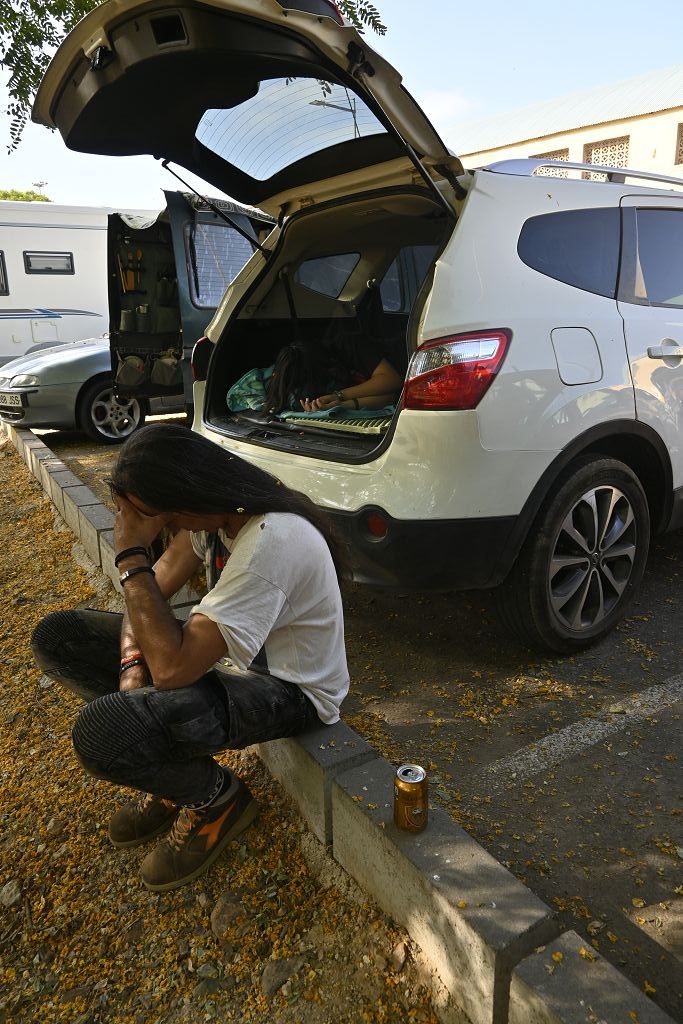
x: 527, y: 167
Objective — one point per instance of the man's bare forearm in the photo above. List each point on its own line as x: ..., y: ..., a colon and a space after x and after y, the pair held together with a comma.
x: 128, y: 640
x: 152, y: 625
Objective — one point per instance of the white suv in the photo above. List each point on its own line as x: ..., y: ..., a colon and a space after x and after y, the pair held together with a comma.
x: 538, y: 320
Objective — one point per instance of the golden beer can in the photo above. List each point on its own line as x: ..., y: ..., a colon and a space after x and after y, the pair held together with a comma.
x: 410, y: 798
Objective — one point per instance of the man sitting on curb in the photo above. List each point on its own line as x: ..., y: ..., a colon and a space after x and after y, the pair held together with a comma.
x: 160, y: 702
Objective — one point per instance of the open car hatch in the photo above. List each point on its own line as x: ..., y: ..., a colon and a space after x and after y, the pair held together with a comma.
x: 276, y: 107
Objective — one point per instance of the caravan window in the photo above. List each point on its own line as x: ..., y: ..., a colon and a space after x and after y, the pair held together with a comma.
x: 49, y: 262
x: 4, y: 283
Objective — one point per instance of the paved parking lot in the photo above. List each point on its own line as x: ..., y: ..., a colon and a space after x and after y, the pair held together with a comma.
x: 567, y: 770
x: 553, y: 764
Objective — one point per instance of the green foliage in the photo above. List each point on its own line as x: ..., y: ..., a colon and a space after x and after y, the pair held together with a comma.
x: 17, y: 196
x: 31, y: 30
x: 362, y: 15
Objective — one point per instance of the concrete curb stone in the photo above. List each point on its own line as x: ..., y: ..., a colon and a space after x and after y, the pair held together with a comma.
x: 480, y: 930
x: 76, y: 498
x: 315, y: 759
x: 472, y: 919
x: 93, y: 522
x: 562, y: 985
x: 49, y: 466
x: 106, y: 559
x: 36, y: 457
x: 27, y: 441
x: 18, y: 437
x: 59, y: 482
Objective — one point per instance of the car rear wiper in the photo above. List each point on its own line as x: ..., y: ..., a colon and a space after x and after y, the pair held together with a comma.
x: 216, y: 209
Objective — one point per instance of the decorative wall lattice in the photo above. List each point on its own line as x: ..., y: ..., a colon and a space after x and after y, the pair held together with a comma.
x: 609, y: 153
x: 679, y: 146
x: 552, y: 172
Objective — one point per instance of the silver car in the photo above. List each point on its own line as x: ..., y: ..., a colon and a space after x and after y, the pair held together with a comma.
x: 70, y: 386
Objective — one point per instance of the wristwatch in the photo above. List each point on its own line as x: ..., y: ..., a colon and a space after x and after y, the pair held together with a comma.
x: 340, y: 396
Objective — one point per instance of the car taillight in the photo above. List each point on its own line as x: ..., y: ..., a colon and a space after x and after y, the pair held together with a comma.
x: 454, y: 372
x: 199, y: 361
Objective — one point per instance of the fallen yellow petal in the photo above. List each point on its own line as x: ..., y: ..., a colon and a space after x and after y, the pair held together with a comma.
x: 558, y: 957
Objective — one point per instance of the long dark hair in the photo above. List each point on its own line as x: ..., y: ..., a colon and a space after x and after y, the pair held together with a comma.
x: 172, y: 469
x: 303, y: 370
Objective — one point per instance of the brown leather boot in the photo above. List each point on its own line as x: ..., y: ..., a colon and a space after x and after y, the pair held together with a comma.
x: 141, y: 819
x: 196, y: 840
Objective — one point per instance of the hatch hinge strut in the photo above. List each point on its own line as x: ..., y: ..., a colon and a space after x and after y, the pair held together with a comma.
x: 357, y: 62
x: 359, y: 66
x: 460, y: 192
x: 216, y: 209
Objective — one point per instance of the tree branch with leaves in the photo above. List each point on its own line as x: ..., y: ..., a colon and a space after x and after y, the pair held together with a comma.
x: 31, y: 31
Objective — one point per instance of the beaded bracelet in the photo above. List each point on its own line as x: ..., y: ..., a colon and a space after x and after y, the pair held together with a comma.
x: 138, y: 550
x: 133, y: 572
x: 132, y: 656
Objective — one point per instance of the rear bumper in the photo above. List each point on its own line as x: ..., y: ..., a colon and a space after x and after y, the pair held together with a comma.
x: 456, y: 554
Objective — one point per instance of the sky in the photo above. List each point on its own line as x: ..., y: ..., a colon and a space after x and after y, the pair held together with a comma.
x: 460, y: 61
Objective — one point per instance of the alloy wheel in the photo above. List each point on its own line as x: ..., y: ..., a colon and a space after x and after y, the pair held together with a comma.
x: 115, y: 418
x: 592, y: 558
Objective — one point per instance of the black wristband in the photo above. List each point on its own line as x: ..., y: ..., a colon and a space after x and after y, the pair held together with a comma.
x: 130, y: 551
x: 356, y: 403
x: 125, y: 666
x: 133, y: 572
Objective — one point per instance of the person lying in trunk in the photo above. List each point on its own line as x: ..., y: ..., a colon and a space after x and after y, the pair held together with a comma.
x: 161, y: 700
x: 319, y: 377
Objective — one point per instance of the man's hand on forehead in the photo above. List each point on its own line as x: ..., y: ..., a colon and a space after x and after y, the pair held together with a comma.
x: 135, y: 524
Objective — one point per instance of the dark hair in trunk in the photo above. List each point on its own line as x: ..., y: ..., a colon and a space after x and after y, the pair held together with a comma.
x: 303, y: 370
x: 173, y: 469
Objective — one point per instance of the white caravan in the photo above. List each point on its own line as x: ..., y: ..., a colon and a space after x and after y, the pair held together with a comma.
x: 53, y: 274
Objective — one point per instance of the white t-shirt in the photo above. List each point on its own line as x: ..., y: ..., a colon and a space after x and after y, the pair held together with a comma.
x: 279, y: 591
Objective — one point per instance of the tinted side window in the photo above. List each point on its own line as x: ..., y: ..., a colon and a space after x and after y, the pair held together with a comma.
x: 660, y: 256
x: 4, y: 283
x: 327, y: 274
x: 218, y: 253
x: 402, y: 281
x: 390, y: 289
x: 578, y: 247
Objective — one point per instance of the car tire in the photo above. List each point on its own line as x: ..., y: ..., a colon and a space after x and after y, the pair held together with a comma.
x: 103, y: 417
x: 582, y: 561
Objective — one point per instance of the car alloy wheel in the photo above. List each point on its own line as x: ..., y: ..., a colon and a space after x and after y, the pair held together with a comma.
x: 593, y: 558
x: 583, y: 558
x: 106, y: 418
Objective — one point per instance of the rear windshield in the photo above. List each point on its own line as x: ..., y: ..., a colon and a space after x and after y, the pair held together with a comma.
x: 288, y: 119
x: 578, y: 247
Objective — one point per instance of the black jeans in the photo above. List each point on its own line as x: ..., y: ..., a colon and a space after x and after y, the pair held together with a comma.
x: 160, y: 741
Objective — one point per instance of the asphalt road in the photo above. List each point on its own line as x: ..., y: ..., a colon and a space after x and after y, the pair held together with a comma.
x: 567, y: 769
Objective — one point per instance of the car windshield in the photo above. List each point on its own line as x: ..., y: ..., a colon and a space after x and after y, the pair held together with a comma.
x: 286, y: 120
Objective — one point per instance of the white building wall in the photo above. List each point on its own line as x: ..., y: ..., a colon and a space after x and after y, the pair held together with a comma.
x: 652, y: 143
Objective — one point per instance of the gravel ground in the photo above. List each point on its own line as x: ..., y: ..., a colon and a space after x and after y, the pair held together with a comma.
x: 274, y: 934
x: 597, y: 836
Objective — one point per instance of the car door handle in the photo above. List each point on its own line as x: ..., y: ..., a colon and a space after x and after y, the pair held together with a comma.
x: 665, y: 352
